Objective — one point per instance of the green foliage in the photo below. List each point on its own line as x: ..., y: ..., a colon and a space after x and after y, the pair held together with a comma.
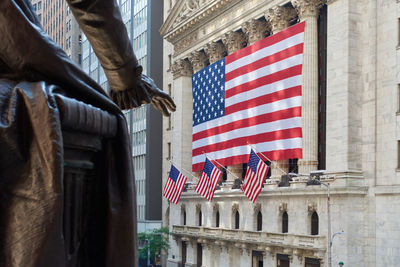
x: 155, y: 241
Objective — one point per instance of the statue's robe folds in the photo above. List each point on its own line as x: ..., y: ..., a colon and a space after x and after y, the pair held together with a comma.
x: 33, y: 69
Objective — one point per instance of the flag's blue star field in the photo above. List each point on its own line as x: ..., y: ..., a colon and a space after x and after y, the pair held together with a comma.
x: 209, y: 92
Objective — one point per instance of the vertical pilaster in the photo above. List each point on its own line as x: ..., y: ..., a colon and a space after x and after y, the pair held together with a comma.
x: 182, y: 117
x: 308, y: 11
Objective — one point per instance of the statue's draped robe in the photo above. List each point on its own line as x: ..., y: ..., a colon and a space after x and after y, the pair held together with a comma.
x: 32, y: 70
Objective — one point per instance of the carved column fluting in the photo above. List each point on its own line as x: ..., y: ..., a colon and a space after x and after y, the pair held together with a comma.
x: 182, y: 119
x: 308, y: 11
x: 198, y: 60
x: 255, y: 30
x: 234, y: 41
x: 215, y: 51
x: 279, y: 18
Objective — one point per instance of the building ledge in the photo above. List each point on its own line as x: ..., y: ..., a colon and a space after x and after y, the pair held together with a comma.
x: 249, y: 239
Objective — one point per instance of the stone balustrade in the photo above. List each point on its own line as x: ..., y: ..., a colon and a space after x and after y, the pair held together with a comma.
x: 264, y: 240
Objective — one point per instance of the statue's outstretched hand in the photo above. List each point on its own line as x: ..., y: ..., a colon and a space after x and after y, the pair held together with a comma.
x: 144, y: 91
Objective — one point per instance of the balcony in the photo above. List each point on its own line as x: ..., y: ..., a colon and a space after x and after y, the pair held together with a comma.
x: 265, y: 241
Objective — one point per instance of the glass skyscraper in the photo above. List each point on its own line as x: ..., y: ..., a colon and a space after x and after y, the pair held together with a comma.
x: 142, y: 19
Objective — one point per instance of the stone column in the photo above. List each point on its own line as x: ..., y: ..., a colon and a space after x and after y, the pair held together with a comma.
x: 308, y: 12
x: 297, y: 259
x: 255, y: 30
x: 191, y: 253
x: 278, y: 18
x: 233, y: 42
x: 182, y: 117
x: 245, y: 258
x: 269, y: 257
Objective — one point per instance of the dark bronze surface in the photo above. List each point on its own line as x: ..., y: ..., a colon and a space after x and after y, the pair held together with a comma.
x: 38, y: 224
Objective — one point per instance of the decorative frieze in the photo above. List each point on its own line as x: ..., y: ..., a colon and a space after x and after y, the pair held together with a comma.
x: 181, y: 67
x: 198, y: 60
x: 185, y: 43
x: 255, y: 30
x: 234, y: 41
x: 279, y: 17
x: 235, y: 207
x: 215, y: 51
x: 283, y: 207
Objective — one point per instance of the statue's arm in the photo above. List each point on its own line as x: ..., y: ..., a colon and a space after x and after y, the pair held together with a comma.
x: 102, y: 24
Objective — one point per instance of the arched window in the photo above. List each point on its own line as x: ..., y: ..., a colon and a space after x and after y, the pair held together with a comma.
x: 259, y: 221
x: 200, y: 218
x: 237, y: 220
x: 285, y: 222
x: 314, y: 223
x: 217, y: 219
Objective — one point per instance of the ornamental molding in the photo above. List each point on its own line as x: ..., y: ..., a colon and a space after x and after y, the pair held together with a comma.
x: 183, y: 207
x: 257, y: 208
x: 279, y: 17
x: 255, y: 30
x: 215, y: 51
x: 283, y: 207
x: 234, y: 41
x: 187, y: 14
x: 181, y: 67
x: 198, y: 60
x: 216, y: 207
x: 187, y: 41
x: 311, y: 207
x: 235, y: 207
x: 198, y: 207
x: 307, y: 8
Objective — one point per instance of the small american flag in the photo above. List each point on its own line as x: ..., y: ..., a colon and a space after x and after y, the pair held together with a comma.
x: 251, y: 96
x: 208, y: 180
x: 254, y: 178
x: 174, y: 185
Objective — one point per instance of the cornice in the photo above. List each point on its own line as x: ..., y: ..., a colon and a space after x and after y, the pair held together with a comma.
x: 174, y: 26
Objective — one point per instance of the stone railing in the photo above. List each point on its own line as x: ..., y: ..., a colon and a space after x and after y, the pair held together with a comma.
x: 210, y: 235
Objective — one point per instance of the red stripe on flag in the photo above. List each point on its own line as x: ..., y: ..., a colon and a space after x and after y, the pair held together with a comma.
x: 272, y: 155
x: 264, y: 118
x: 281, y: 55
x: 273, y: 39
x: 264, y: 99
x: 264, y: 80
x: 253, y: 139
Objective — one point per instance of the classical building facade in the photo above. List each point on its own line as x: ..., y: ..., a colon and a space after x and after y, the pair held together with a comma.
x: 351, y: 133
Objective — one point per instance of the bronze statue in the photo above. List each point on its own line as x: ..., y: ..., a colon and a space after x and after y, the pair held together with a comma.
x: 34, y: 75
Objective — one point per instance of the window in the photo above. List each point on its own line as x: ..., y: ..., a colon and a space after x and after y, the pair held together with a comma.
x: 237, y: 220
x: 183, y: 253
x: 314, y: 223
x: 184, y: 217
x: 285, y: 222
x: 200, y: 215
x: 169, y: 61
x: 398, y: 155
x: 259, y: 221
x: 398, y: 30
x: 217, y: 219
x: 169, y: 150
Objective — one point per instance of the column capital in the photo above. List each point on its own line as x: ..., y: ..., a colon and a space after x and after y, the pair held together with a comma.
x: 198, y: 60
x: 255, y: 30
x: 307, y: 8
x: 234, y: 41
x: 279, y: 17
x: 181, y: 67
x: 215, y: 51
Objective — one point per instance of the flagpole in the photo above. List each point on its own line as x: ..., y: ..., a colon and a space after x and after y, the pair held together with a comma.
x: 185, y: 170
x: 221, y: 165
x: 273, y: 162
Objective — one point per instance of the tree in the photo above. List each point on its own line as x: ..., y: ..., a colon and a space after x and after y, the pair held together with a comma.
x: 153, y: 241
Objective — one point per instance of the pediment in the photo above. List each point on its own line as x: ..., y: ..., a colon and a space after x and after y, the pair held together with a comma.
x: 186, y: 14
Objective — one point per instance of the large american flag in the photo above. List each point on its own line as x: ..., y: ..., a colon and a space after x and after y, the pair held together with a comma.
x: 208, y: 180
x: 174, y: 185
x: 255, y: 176
x: 252, y: 96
